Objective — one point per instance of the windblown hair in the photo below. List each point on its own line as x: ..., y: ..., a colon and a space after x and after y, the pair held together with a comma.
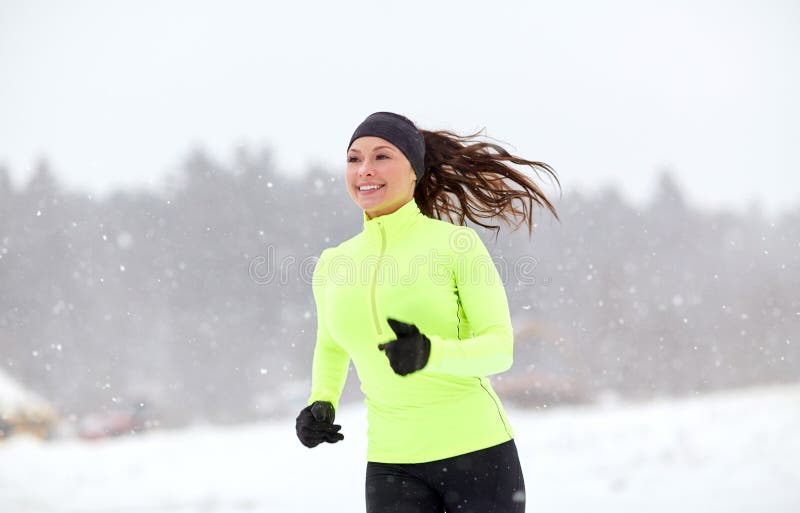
x: 468, y: 178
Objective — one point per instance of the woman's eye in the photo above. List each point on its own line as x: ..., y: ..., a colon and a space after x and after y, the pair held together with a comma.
x: 352, y: 159
x: 383, y: 156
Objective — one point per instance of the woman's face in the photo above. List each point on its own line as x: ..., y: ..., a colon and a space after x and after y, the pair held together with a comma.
x: 372, y: 161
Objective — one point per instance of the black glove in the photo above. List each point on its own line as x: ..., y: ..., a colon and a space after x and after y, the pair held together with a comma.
x: 410, y: 351
x: 315, y: 424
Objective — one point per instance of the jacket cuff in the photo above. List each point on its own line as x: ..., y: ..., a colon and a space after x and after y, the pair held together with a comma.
x: 437, y: 355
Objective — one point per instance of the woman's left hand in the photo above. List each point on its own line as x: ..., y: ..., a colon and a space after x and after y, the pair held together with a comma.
x: 410, y: 351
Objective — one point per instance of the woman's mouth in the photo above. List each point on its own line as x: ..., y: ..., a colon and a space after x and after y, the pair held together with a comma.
x: 370, y: 189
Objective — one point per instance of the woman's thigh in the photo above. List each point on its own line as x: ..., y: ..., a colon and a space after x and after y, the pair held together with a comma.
x: 486, y: 481
x: 396, y: 489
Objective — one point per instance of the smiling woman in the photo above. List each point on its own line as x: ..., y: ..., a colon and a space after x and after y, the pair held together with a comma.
x: 423, y: 344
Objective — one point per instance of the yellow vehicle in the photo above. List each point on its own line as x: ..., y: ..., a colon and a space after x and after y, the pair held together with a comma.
x: 23, y: 411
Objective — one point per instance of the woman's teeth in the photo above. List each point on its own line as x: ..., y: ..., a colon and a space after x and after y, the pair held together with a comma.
x: 369, y: 187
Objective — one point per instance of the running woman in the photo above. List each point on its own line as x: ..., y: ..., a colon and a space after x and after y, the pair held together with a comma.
x: 418, y: 305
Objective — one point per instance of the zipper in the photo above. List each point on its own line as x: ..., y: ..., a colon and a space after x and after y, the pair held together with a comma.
x: 375, y: 279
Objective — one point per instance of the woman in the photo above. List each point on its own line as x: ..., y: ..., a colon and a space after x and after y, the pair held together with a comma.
x: 419, y: 306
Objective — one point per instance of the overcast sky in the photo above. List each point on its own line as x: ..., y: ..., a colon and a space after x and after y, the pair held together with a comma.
x: 115, y: 93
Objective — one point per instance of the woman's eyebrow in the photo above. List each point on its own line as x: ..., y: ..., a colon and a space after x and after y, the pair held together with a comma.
x: 374, y: 149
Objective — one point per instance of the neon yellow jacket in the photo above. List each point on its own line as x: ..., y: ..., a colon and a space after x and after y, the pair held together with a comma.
x: 440, y: 277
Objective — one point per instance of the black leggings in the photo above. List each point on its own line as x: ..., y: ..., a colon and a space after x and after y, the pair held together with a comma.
x: 485, y: 481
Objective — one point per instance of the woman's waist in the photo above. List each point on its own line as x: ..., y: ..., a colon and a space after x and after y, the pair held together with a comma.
x: 433, y: 431
x: 408, y: 402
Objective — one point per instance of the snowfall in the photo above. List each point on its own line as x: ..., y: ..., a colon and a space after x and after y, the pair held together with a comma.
x: 732, y: 451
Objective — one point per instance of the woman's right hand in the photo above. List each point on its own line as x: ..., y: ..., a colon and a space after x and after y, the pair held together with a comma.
x: 315, y: 424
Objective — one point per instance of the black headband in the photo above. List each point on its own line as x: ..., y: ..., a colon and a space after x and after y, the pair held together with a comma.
x: 399, y: 131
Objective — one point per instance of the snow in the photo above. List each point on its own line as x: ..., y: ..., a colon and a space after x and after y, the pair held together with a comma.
x: 735, y: 451
x: 14, y: 397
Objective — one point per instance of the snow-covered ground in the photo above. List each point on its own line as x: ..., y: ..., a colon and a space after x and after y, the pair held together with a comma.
x: 737, y: 451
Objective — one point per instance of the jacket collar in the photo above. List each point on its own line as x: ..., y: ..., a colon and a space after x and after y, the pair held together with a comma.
x: 397, y: 221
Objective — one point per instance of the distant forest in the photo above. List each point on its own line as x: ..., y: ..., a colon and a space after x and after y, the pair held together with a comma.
x: 196, y: 300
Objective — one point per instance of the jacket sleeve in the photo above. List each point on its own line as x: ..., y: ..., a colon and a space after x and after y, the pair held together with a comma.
x: 331, y: 362
x: 480, y: 289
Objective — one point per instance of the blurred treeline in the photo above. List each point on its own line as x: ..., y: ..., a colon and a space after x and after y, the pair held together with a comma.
x: 197, y: 300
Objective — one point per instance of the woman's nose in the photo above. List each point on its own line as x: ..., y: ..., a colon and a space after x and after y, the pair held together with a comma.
x: 365, y: 168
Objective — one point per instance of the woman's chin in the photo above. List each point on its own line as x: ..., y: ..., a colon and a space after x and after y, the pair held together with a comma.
x: 379, y: 206
x: 368, y: 204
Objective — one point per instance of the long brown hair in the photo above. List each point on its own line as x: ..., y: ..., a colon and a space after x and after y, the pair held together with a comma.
x: 468, y: 178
